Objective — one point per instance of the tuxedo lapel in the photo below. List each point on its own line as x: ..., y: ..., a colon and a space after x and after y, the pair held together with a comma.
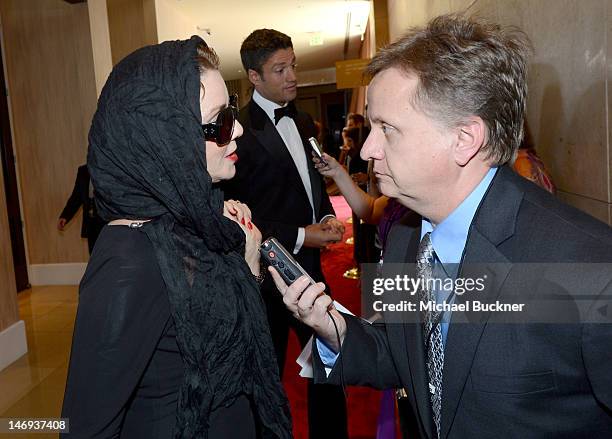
x: 267, y: 135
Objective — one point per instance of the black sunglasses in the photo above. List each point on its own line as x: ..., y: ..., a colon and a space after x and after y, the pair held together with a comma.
x: 221, y: 130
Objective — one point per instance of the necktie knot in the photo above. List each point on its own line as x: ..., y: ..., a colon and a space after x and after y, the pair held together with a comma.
x: 288, y: 110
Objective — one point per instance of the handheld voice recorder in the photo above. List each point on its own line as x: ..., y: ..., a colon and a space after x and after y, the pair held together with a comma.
x: 277, y: 256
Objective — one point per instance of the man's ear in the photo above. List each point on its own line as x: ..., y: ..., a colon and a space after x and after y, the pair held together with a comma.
x: 254, y: 77
x: 471, y: 138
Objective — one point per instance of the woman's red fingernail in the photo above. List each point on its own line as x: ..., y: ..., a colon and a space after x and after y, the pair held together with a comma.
x: 242, y: 221
x: 250, y: 226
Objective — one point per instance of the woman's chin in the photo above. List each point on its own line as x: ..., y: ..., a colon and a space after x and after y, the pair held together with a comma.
x: 227, y: 174
x: 232, y: 173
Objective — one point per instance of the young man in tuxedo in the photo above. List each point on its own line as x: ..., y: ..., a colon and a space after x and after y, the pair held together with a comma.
x: 276, y: 178
x: 446, y: 105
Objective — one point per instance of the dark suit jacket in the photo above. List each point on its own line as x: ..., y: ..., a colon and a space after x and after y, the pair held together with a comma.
x: 268, y: 181
x: 504, y: 380
x: 78, y: 198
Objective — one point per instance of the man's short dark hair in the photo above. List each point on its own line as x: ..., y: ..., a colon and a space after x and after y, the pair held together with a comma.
x: 257, y: 48
x: 467, y: 67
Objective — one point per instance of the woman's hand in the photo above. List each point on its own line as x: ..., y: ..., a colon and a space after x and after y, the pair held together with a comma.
x: 241, y: 215
x: 329, y: 169
x: 251, y: 251
x: 237, y: 211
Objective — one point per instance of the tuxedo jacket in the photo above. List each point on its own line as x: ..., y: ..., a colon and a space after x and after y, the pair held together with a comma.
x: 507, y: 380
x: 78, y: 198
x: 268, y: 181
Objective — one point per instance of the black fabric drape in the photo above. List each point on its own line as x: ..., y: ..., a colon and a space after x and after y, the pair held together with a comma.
x: 147, y: 160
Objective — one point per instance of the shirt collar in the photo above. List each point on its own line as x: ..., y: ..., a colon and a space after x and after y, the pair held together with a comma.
x: 266, y: 105
x: 449, y: 237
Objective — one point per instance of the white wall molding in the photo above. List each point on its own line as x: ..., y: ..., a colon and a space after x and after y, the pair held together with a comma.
x: 57, y: 274
x: 13, y: 343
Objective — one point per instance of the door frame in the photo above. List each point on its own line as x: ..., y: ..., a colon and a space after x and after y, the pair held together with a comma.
x: 11, y: 188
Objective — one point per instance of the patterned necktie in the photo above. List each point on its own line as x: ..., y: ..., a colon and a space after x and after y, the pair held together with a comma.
x: 431, y: 329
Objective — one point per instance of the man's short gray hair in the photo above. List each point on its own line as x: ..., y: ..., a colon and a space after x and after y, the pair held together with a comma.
x: 467, y: 67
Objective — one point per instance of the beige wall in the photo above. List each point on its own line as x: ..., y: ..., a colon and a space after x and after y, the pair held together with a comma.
x: 52, y: 92
x: 132, y: 25
x: 100, y: 42
x: 53, y: 84
x: 171, y: 24
x: 568, y: 105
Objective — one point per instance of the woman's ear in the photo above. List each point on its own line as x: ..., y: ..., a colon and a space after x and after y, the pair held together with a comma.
x: 470, y: 139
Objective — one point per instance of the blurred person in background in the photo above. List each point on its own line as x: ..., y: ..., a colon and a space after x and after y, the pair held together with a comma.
x: 82, y: 195
x: 529, y: 165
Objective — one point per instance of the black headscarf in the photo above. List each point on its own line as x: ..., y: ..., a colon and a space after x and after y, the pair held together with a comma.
x: 147, y: 159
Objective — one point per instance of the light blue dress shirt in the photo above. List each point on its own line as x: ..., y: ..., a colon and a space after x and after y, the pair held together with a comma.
x: 448, y: 239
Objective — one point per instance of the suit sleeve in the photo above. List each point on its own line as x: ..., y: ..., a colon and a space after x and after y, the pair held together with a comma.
x: 74, y: 202
x: 365, y: 358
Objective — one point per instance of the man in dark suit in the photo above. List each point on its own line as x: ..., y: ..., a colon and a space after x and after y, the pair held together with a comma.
x: 447, y: 105
x: 82, y: 195
x: 276, y: 178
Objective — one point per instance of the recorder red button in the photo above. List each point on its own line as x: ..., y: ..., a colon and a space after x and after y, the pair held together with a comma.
x: 272, y: 255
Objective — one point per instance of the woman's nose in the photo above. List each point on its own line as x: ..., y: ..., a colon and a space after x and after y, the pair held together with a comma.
x: 238, y: 130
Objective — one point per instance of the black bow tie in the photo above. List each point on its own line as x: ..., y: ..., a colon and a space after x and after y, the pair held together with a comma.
x: 288, y: 110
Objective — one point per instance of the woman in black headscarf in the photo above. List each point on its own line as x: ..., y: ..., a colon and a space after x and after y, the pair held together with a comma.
x: 171, y: 338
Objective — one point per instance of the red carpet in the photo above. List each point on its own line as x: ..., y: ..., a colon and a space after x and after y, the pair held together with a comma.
x: 363, y: 403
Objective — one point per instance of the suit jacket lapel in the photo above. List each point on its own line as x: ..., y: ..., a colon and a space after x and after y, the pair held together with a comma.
x: 315, y: 178
x: 494, y: 223
x: 465, y: 332
x: 398, y: 252
x: 267, y: 134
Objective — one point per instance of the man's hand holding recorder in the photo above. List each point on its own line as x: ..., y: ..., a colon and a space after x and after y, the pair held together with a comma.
x: 305, y: 299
